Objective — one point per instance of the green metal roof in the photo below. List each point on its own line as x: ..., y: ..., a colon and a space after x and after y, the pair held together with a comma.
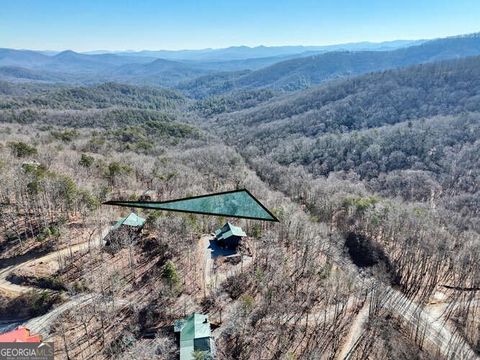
x: 229, y: 230
x: 131, y: 220
x: 195, y: 335
x: 236, y: 230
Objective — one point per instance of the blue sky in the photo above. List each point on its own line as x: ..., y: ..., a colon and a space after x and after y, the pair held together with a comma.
x: 180, y: 24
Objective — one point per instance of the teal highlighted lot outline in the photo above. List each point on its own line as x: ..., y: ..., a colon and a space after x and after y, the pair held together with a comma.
x: 237, y: 203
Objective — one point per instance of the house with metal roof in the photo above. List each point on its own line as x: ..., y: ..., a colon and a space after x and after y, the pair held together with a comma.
x: 195, y: 336
x: 229, y: 235
x: 132, y: 220
x: 124, y: 231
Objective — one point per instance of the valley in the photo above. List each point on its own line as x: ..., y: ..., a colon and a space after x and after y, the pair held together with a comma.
x: 369, y: 158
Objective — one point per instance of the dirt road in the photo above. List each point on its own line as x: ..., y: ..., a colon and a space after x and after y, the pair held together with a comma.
x: 354, y: 333
x: 207, y: 264
x: 12, y: 290
x: 446, y: 339
x: 211, y: 278
x: 42, y: 323
x: 450, y: 343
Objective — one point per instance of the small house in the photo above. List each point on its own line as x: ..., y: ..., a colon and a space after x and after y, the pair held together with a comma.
x: 124, y: 231
x: 195, y: 336
x: 132, y: 220
x: 229, y: 235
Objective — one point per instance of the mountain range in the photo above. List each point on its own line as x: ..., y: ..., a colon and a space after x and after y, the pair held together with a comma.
x: 246, y: 52
x: 200, y: 73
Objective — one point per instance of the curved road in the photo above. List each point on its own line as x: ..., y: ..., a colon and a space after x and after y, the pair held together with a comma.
x: 448, y: 341
x: 41, y: 324
x: 444, y: 338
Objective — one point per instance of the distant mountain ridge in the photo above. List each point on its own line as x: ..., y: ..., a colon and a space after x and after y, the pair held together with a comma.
x: 247, y: 52
x: 304, y: 72
x: 280, y: 68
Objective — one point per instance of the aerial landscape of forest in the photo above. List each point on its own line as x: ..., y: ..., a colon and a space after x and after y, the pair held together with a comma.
x: 367, y: 154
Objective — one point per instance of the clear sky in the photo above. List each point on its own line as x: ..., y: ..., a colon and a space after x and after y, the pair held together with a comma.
x: 83, y: 25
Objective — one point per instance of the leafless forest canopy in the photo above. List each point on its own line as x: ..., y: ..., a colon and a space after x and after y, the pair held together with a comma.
x: 375, y: 178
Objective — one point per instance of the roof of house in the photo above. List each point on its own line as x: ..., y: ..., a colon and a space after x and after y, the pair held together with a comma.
x: 195, y: 335
x: 131, y: 220
x: 20, y: 334
x: 229, y: 230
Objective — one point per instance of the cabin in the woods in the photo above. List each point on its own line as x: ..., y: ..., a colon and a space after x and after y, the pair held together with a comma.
x: 195, y: 336
x: 132, y: 221
x: 229, y: 235
x: 20, y: 334
x: 124, y: 230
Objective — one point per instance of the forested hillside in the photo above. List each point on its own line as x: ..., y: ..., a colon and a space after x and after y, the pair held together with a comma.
x: 95, y: 97
x: 410, y: 133
x: 374, y: 178
x: 391, y: 160
x: 106, y: 105
x: 373, y: 100
x: 308, y: 71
